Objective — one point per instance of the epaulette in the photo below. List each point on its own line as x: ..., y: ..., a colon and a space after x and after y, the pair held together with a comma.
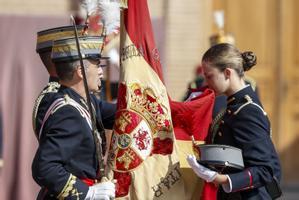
x: 249, y: 101
x: 52, y: 87
x: 61, y: 102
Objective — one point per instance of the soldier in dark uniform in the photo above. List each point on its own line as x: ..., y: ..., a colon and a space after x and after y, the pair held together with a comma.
x: 244, y: 125
x: 66, y: 164
x: 43, y: 48
x: 44, y: 45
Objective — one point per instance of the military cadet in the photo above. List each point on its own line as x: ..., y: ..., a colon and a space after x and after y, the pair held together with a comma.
x: 244, y: 125
x: 199, y: 83
x: 66, y: 164
x: 220, y: 100
x: 43, y: 48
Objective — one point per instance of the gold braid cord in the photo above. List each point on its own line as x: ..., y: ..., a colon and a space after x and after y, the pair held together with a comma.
x: 216, y: 123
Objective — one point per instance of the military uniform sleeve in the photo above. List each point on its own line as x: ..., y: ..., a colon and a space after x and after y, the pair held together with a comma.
x: 251, y: 133
x: 60, y: 137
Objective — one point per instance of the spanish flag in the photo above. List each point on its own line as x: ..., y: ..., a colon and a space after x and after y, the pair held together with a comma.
x: 144, y: 153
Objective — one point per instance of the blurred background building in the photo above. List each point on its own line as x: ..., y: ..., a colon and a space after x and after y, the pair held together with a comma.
x: 270, y: 28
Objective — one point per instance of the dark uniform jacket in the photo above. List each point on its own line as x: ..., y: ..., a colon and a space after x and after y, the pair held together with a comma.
x: 244, y: 125
x: 66, y: 152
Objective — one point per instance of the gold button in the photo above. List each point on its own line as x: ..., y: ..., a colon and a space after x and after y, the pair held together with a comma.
x: 219, y: 133
x: 222, y: 122
x: 229, y: 111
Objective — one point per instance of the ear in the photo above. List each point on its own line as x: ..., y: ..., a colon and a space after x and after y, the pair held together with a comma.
x: 78, y: 72
x: 227, y: 73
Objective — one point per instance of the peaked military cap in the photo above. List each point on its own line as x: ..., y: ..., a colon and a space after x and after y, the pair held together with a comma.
x: 46, y: 37
x: 66, y: 50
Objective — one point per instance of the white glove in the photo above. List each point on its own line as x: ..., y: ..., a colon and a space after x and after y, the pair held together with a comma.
x: 101, y: 191
x: 201, y: 171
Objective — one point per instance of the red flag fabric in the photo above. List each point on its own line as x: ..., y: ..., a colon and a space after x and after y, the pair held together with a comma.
x: 209, y: 192
x: 136, y: 20
x: 193, y: 118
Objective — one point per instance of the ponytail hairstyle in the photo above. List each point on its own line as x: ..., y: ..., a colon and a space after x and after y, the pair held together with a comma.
x: 225, y: 55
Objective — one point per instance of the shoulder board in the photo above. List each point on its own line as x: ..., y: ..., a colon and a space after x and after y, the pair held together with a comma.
x: 51, y: 87
x: 61, y: 102
x: 249, y: 101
